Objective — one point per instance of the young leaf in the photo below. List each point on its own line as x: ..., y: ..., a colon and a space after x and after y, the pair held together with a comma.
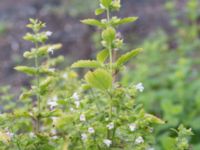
x: 26, y: 95
x: 109, y: 34
x: 154, y: 119
x: 116, y: 5
x: 125, y: 20
x: 99, y: 11
x: 27, y: 70
x: 106, y: 3
x: 126, y: 57
x: 93, y: 22
x: 86, y: 64
x: 102, y: 55
x: 99, y: 79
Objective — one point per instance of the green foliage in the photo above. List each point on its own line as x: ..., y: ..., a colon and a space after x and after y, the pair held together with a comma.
x: 126, y: 57
x: 93, y: 22
x: 27, y: 70
x: 86, y: 64
x: 182, y: 139
x: 59, y: 112
x: 6, y: 98
x: 100, y: 79
x: 169, y: 69
x: 102, y: 55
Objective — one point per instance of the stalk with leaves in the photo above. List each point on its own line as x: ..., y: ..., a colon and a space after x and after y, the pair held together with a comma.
x: 123, y: 124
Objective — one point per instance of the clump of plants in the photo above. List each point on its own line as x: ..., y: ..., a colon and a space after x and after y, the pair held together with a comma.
x: 59, y: 112
x: 173, y: 81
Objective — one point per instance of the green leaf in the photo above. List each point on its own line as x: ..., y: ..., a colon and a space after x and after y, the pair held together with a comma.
x: 27, y: 70
x: 26, y: 95
x: 154, y: 119
x: 102, y: 55
x: 99, y: 79
x: 109, y: 34
x: 44, y: 86
x: 125, y: 20
x: 106, y: 3
x: 93, y: 22
x: 99, y: 11
x: 86, y: 64
x: 126, y: 57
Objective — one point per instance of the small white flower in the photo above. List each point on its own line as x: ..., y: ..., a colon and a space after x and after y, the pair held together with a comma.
x: 10, y: 134
x: 50, y: 50
x: 132, y: 126
x: 139, y: 140
x: 48, y: 33
x: 140, y: 87
x: 54, y: 137
x: 110, y: 126
x: 55, y: 98
x: 77, y: 103
x: 31, y: 134
x: 72, y: 109
x: 82, y: 118
x: 52, y: 69
x: 65, y: 76
x: 84, y: 136
x: 107, y: 142
x: 150, y: 148
x: 52, y: 104
x: 75, y: 96
x: 91, y: 130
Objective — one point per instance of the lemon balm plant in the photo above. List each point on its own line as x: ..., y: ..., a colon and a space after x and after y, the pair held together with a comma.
x: 110, y: 117
x: 97, y: 113
x: 39, y: 106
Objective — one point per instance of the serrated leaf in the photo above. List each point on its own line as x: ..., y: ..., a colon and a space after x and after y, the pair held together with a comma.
x: 126, y: 57
x: 27, y: 70
x: 99, y: 79
x: 99, y: 11
x: 126, y: 20
x: 102, y: 55
x: 86, y: 64
x: 93, y: 22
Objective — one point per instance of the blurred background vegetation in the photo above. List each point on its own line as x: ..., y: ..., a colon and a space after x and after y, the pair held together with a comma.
x: 169, y: 67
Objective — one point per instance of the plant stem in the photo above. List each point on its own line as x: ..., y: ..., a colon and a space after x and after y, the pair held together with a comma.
x: 108, y: 14
x: 110, y: 58
x: 18, y: 146
x: 109, y: 48
x: 37, y: 86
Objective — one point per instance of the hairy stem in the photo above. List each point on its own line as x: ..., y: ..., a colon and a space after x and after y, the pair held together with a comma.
x: 37, y: 86
x: 109, y: 48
